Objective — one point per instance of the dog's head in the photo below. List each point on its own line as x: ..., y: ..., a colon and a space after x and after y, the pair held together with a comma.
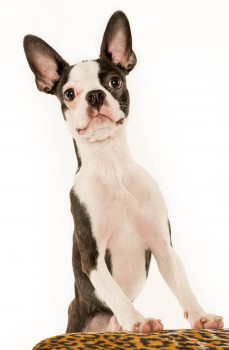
x: 93, y: 94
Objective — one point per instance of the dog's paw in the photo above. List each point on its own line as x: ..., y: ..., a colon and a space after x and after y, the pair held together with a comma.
x: 206, y: 321
x: 149, y: 325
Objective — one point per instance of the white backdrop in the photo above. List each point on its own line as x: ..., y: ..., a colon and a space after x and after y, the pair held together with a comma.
x: 178, y: 130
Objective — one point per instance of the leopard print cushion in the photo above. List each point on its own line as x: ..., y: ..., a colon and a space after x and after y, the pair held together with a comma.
x: 177, y: 339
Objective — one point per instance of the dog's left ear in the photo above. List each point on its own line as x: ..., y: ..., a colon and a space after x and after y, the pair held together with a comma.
x: 117, y: 42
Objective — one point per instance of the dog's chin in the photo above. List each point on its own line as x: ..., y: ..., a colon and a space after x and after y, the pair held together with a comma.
x: 100, y: 131
x: 100, y: 134
x: 100, y: 128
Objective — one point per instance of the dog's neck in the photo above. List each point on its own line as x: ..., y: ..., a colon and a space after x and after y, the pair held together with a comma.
x: 105, y: 157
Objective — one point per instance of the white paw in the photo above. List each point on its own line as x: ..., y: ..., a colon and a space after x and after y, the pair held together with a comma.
x: 205, y: 321
x: 137, y: 323
x: 149, y: 325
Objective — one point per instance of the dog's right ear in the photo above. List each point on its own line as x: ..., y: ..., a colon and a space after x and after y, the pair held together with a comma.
x: 45, y: 62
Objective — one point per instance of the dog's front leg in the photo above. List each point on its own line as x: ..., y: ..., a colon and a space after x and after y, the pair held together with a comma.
x: 91, y: 266
x: 172, y: 270
x: 109, y: 292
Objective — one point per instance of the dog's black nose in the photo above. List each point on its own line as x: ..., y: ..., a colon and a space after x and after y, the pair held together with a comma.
x: 95, y: 98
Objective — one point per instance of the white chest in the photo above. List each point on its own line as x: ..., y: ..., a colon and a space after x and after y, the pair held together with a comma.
x: 120, y: 196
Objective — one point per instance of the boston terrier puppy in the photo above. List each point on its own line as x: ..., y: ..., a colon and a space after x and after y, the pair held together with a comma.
x: 120, y: 216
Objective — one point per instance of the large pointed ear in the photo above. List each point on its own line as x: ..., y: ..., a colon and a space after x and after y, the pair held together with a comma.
x: 117, y: 42
x: 45, y: 62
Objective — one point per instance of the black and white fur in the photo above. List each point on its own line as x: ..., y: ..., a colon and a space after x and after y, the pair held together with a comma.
x: 120, y: 216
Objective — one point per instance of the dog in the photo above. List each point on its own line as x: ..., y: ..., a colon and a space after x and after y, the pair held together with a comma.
x: 120, y: 217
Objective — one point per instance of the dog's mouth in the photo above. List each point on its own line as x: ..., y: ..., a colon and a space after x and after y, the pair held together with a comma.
x: 99, y: 118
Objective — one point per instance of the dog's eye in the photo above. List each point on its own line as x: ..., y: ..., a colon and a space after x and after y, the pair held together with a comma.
x: 69, y: 94
x: 115, y: 83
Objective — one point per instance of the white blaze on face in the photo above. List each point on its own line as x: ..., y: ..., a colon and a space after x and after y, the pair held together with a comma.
x: 82, y: 120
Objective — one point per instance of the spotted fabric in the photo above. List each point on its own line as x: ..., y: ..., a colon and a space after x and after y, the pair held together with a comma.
x: 183, y: 339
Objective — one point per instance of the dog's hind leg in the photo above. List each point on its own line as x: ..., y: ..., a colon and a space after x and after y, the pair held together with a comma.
x: 82, y: 319
x: 78, y: 317
x: 103, y: 322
